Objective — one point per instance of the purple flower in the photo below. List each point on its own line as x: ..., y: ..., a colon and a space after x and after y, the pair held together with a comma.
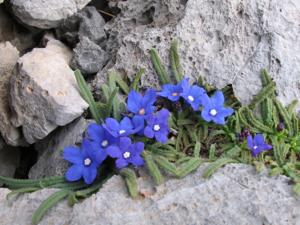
x: 171, y: 91
x: 157, y: 126
x: 116, y: 129
x: 257, y: 145
x: 127, y: 153
x: 100, y: 135
x: 192, y: 94
x: 141, y: 105
x: 213, y: 109
x: 85, y: 161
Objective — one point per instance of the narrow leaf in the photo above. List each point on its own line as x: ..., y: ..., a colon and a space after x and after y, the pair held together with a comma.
x: 175, y: 62
x: 153, y: 168
x: 213, y: 167
x: 131, y: 181
x: 137, y: 78
x: 87, y: 95
x: 159, y: 67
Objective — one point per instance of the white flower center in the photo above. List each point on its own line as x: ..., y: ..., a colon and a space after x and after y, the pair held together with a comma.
x: 87, y: 162
x: 191, y: 98
x: 104, y: 143
x: 174, y: 94
x: 213, y: 112
x: 142, y: 111
x: 255, y: 147
x: 122, y: 131
x: 126, y: 155
x: 156, y: 127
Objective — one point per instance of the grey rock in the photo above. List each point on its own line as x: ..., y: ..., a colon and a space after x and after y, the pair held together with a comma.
x: 9, y: 56
x: 227, y: 42
x: 234, y: 195
x: 86, y: 23
x: 50, y: 161
x: 18, y: 211
x: 88, y: 57
x: 9, y: 161
x: 45, y: 14
x: 43, y: 91
x: 18, y: 36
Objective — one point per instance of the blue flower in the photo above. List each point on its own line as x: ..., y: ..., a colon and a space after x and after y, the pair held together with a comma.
x: 192, y: 94
x: 100, y: 135
x: 85, y: 161
x: 141, y: 105
x: 127, y: 153
x: 138, y: 124
x: 116, y: 129
x: 157, y: 126
x: 171, y: 91
x: 213, y: 109
x: 257, y: 145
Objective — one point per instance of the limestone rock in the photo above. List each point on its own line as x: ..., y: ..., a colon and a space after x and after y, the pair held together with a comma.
x: 227, y: 42
x: 234, y: 195
x: 50, y: 161
x: 9, y: 56
x: 44, y: 93
x: 88, y: 57
x: 86, y: 23
x: 45, y: 14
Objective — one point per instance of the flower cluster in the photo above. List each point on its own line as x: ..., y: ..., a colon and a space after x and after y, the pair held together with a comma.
x: 257, y: 144
x: 212, y: 107
x: 114, y: 138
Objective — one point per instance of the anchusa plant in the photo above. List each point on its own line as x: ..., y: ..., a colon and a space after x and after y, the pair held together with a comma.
x: 115, y: 138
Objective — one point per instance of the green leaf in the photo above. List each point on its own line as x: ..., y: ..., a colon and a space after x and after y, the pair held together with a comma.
x: 22, y: 190
x: 262, y: 95
x: 111, y: 102
x: 284, y: 115
x: 197, y: 149
x: 47, y: 204
x: 189, y: 166
x: 122, y: 84
x: 265, y: 78
x: 233, y: 152
x: 87, y: 95
x: 153, y: 168
x: 137, y: 78
x: 212, y: 152
x: 296, y: 188
x: 213, y: 167
x: 159, y: 67
x: 166, y: 165
x: 131, y: 181
x: 175, y: 61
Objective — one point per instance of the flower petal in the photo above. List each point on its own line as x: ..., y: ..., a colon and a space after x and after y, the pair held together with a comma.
x: 95, y: 132
x: 166, y: 90
x: 138, y: 148
x: 89, y: 174
x: 126, y: 124
x: 74, y: 173
x: 137, y: 160
x: 149, y: 97
x: 259, y: 139
x: 125, y: 143
x: 148, y: 132
x: 114, y: 151
x: 73, y: 155
x: 134, y: 101
x: 161, y: 137
x: 205, y: 115
x: 112, y: 124
x: 206, y: 101
x: 121, y: 163
x: 219, y: 119
x: 250, y: 143
x: 217, y: 98
x: 225, y: 111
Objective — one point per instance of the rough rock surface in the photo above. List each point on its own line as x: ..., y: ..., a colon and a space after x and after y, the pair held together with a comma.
x: 18, y: 36
x: 235, y: 195
x: 86, y: 23
x: 45, y: 14
x: 9, y: 56
x: 224, y: 41
x: 50, y: 161
x: 9, y: 160
x: 43, y: 91
x: 88, y: 57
